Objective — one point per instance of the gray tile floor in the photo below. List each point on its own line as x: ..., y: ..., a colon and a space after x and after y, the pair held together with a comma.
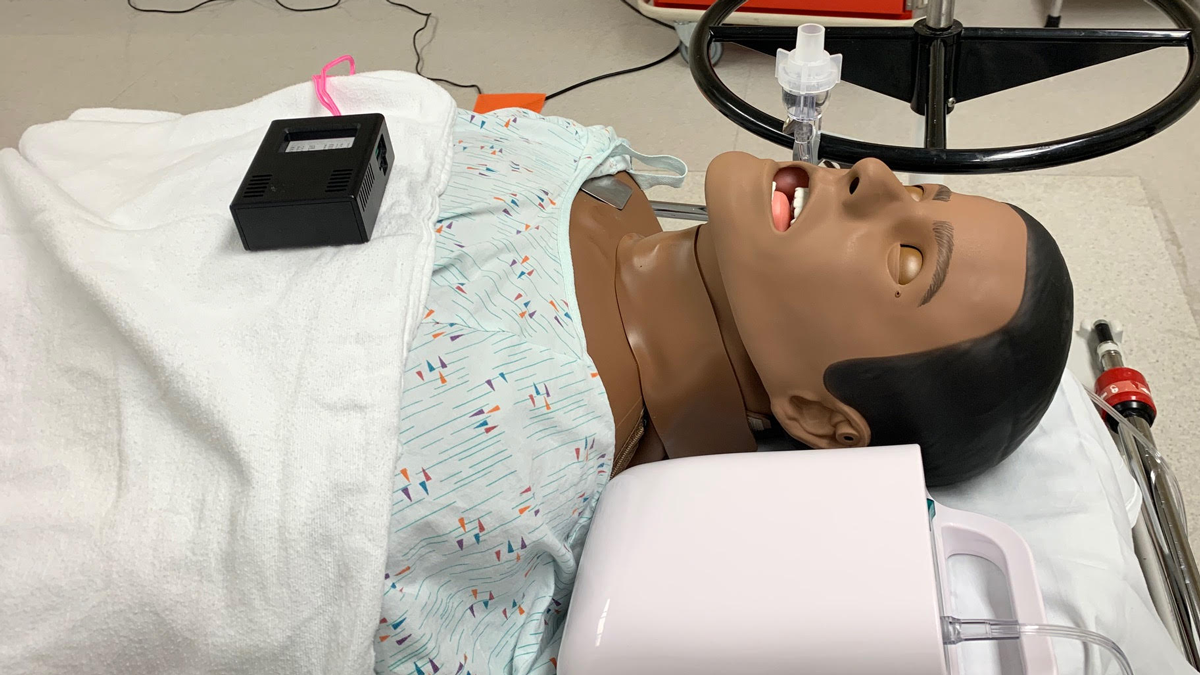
x: 60, y: 55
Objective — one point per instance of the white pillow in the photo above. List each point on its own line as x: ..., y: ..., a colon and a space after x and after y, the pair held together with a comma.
x: 1067, y: 492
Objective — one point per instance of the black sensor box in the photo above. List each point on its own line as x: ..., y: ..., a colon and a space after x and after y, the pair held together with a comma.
x: 315, y: 181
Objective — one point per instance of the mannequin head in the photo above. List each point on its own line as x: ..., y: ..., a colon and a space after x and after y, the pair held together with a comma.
x: 888, y: 314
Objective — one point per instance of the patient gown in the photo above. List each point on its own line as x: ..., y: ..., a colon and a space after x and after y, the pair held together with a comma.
x: 507, y: 437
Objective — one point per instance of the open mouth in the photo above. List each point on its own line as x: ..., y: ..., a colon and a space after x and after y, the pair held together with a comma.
x: 789, y: 196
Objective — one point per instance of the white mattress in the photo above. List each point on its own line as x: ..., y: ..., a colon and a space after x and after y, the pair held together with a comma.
x: 1066, y: 492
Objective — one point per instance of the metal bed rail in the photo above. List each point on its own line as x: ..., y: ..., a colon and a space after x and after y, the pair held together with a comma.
x: 680, y: 211
x: 1160, y: 536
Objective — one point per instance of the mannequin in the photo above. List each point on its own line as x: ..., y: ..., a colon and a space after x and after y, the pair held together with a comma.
x: 880, y: 314
x: 561, y: 347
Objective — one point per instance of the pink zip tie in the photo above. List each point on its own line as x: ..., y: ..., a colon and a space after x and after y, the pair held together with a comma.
x: 320, y: 80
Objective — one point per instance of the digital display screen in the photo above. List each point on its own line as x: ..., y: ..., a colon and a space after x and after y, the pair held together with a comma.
x: 311, y: 144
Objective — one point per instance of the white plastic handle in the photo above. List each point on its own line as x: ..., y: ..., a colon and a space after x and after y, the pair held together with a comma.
x: 963, y: 533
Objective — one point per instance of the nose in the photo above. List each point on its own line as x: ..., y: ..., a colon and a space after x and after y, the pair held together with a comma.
x: 871, y: 184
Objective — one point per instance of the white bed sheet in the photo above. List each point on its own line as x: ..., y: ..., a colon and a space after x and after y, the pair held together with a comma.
x: 197, y: 443
x: 1067, y: 493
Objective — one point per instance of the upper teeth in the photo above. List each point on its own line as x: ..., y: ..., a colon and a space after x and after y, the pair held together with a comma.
x: 798, y: 201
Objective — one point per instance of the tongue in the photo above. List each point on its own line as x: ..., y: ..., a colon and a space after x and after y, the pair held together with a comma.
x: 781, y: 211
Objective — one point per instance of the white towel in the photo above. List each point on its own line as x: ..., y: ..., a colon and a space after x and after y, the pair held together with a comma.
x: 196, y: 442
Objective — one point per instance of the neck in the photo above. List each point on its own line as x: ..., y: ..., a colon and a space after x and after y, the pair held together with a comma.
x: 696, y: 378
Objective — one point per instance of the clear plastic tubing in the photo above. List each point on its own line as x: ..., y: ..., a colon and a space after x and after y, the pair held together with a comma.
x: 1139, y: 437
x: 806, y: 74
x: 955, y: 631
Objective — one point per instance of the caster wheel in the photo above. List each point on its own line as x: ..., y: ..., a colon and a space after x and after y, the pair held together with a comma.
x: 715, y: 50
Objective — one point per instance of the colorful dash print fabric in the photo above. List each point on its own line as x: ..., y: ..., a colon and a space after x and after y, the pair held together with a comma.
x: 507, y: 435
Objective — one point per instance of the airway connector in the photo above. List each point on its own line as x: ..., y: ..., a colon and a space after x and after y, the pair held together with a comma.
x: 1126, y: 390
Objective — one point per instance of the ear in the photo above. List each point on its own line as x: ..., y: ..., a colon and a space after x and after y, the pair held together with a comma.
x: 819, y: 424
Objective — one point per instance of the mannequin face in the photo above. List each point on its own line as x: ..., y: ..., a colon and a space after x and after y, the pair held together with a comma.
x: 870, y: 268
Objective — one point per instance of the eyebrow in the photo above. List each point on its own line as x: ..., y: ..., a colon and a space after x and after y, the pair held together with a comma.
x: 942, y: 194
x: 943, y: 234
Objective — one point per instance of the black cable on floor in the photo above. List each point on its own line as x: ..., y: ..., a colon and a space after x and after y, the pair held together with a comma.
x: 425, y: 25
x: 420, y: 56
x: 605, y: 76
x: 635, y: 69
x: 154, y: 10
x: 309, y: 9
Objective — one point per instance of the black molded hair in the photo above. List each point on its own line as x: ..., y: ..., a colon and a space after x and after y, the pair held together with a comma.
x: 970, y: 404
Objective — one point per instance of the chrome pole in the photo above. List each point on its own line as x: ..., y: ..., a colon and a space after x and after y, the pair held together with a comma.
x: 940, y: 14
